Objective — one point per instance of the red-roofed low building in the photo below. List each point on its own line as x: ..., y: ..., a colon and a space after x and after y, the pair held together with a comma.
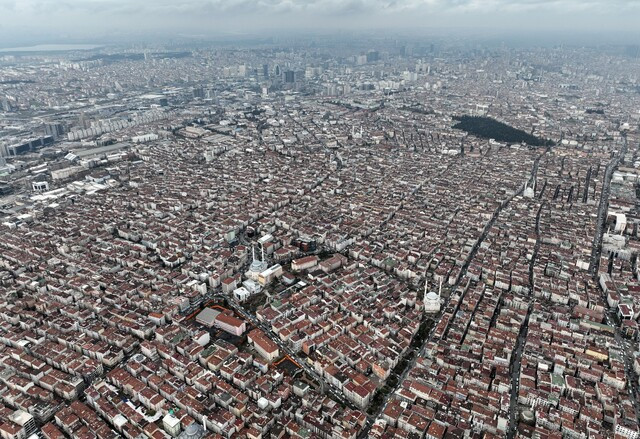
x: 304, y: 263
x: 230, y: 324
x: 435, y: 431
x: 357, y: 394
x: 50, y: 431
x: 229, y: 284
x: 265, y: 347
x: 625, y: 311
x: 11, y: 430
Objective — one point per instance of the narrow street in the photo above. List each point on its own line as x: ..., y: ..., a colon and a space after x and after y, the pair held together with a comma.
x: 626, y: 346
x: 516, y: 359
x: 603, y: 206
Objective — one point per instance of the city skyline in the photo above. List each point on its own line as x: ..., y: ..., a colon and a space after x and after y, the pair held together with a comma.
x: 40, y: 21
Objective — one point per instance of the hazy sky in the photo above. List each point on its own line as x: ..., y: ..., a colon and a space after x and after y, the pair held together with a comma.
x: 33, y: 20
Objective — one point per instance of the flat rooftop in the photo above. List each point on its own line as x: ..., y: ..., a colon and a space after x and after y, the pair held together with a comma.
x: 207, y: 316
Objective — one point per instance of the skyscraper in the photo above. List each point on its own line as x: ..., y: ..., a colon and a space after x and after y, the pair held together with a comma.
x: 289, y: 76
x: 373, y: 56
x: 54, y: 129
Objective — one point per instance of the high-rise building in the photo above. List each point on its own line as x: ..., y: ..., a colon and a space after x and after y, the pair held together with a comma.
x: 289, y: 76
x: 82, y: 121
x: 54, y: 129
x: 198, y: 92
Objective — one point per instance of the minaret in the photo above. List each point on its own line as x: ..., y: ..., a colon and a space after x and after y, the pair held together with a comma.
x: 440, y: 291
x: 262, y: 246
x: 257, y: 266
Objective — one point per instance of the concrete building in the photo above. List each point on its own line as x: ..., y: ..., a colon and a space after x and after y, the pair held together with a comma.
x: 268, y: 275
x: 304, y: 263
x: 207, y: 317
x: 263, y: 345
x: 171, y: 425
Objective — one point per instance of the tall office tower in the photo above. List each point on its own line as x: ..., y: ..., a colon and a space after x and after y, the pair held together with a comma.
x: 198, y: 92
x: 54, y: 129
x: 82, y: 121
x: 289, y: 76
x: 373, y: 56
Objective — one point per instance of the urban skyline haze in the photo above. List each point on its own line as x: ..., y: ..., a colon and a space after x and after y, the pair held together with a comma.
x: 43, y: 21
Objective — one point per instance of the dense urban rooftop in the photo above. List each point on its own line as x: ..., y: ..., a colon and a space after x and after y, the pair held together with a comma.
x: 268, y: 243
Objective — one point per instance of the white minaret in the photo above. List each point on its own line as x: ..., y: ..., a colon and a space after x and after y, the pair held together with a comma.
x: 257, y: 266
x: 262, y: 246
x: 426, y: 290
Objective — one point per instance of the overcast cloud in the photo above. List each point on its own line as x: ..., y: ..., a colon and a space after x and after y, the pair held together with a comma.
x: 31, y: 19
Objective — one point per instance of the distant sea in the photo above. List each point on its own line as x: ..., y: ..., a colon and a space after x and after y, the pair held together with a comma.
x: 52, y: 48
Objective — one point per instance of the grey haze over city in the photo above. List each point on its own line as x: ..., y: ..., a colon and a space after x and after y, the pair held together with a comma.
x: 30, y: 21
